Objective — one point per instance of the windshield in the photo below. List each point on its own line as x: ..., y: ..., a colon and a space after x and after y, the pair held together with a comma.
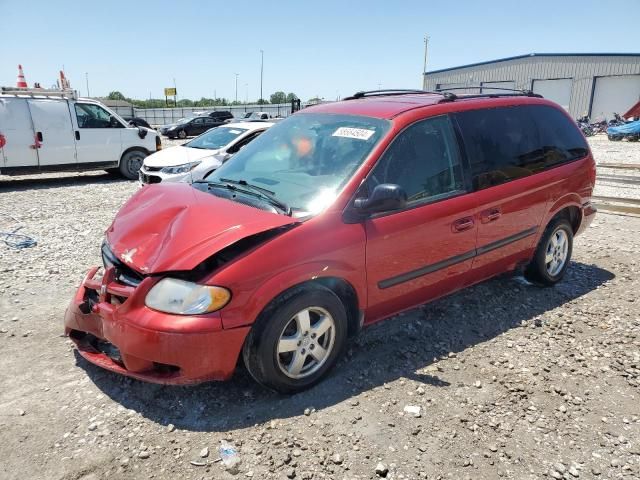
x: 216, y: 138
x: 305, y: 159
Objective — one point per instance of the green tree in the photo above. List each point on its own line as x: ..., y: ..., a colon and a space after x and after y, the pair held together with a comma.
x: 278, y: 97
x: 291, y: 97
x: 116, y: 96
x: 314, y: 100
x: 262, y: 101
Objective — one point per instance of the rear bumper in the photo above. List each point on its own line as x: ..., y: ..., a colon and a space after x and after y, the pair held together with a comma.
x: 588, y: 214
x: 133, y: 340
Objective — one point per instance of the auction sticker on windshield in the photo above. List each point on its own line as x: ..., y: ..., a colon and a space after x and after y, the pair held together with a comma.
x: 357, y: 133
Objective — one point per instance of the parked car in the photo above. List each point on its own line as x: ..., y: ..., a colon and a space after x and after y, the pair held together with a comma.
x: 628, y: 130
x: 137, y: 122
x: 188, y: 127
x: 251, y: 116
x: 199, y: 157
x: 339, y: 216
x: 223, y: 116
x: 54, y: 130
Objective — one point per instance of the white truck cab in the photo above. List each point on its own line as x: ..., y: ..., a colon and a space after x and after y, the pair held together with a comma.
x: 54, y: 130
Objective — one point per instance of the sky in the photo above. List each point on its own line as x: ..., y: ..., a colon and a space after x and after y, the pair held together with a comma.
x: 325, y: 48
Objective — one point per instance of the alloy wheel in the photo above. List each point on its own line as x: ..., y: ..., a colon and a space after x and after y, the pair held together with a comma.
x: 556, y: 252
x: 306, y: 342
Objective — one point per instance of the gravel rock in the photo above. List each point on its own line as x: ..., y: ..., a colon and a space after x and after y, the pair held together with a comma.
x: 381, y: 469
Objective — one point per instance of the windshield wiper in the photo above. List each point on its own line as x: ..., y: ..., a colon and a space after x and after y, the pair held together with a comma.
x: 255, y: 192
x: 265, y: 193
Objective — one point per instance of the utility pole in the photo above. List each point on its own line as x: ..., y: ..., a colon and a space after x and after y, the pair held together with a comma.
x: 86, y: 75
x: 175, y: 97
x: 261, y: 72
x: 424, y: 67
x: 236, y: 74
x: 246, y: 93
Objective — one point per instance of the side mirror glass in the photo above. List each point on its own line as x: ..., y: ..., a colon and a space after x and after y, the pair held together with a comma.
x: 385, y: 197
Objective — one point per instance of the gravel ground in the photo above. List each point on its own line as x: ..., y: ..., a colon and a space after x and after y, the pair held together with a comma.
x: 510, y: 380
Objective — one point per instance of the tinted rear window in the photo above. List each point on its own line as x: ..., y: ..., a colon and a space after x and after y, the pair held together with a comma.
x: 508, y: 143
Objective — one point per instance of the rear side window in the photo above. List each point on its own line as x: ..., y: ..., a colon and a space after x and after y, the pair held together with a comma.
x: 424, y: 160
x: 559, y: 137
x: 501, y: 143
x: 509, y: 143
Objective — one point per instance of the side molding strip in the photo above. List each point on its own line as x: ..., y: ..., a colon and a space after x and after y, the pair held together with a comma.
x: 434, y: 267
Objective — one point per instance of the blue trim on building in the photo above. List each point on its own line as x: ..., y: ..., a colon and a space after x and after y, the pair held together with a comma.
x: 529, y: 55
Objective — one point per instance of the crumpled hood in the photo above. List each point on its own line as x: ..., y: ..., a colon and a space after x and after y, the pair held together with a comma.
x: 178, y: 155
x: 171, y: 227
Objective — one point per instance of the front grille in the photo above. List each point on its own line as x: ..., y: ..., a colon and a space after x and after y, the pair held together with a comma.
x: 144, y: 178
x: 123, y: 273
x: 152, y: 169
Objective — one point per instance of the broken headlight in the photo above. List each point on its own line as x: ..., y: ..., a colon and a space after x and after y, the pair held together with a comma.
x: 172, y: 295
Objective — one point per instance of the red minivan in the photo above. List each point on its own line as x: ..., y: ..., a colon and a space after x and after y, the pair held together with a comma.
x: 341, y: 215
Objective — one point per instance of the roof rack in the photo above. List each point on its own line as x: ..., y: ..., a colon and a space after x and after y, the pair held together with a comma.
x: 514, y: 92
x: 39, y: 92
x: 447, y: 96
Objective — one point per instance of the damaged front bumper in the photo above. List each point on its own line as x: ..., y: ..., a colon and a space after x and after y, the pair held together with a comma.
x: 114, y: 329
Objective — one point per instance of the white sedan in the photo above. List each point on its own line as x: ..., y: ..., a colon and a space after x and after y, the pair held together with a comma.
x: 197, y: 158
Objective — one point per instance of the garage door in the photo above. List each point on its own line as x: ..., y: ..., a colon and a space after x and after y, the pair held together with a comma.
x: 614, y: 94
x: 505, y: 84
x: 558, y: 91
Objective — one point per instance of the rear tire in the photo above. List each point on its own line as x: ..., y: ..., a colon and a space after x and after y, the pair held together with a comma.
x: 552, y: 255
x: 289, y: 350
x: 130, y: 164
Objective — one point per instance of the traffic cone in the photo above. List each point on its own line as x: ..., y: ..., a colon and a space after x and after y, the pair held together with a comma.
x: 21, y: 82
x: 64, y: 83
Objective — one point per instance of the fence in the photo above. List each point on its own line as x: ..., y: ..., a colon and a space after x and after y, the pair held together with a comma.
x: 164, y: 116
x: 122, y: 110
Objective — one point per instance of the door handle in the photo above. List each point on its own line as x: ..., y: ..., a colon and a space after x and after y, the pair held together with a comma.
x: 36, y: 141
x: 490, y: 215
x: 462, y: 224
x: 77, y: 135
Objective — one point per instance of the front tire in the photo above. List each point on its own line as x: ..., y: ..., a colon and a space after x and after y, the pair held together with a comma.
x: 182, y: 134
x: 130, y: 164
x: 553, y: 254
x: 297, y: 339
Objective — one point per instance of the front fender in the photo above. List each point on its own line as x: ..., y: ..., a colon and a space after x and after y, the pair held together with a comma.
x: 246, y: 310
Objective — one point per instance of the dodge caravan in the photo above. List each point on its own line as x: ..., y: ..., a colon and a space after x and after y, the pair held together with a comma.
x: 342, y: 215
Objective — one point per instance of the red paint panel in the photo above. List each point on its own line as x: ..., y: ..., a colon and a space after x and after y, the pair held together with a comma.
x: 175, y: 227
x: 407, y: 241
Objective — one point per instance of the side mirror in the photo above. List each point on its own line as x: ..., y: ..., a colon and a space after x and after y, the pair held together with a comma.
x: 142, y: 132
x: 385, y: 197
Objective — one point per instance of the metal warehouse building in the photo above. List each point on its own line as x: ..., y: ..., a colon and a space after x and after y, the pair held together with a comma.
x: 596, y: 84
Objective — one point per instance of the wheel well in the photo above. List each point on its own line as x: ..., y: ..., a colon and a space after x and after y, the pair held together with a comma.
x: 341, y: 288
x: 347, y: 294
x: 131, y: 149
x: 572, y: 214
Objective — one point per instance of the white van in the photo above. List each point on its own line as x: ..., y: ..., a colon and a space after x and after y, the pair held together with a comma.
x: 54, y: 130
